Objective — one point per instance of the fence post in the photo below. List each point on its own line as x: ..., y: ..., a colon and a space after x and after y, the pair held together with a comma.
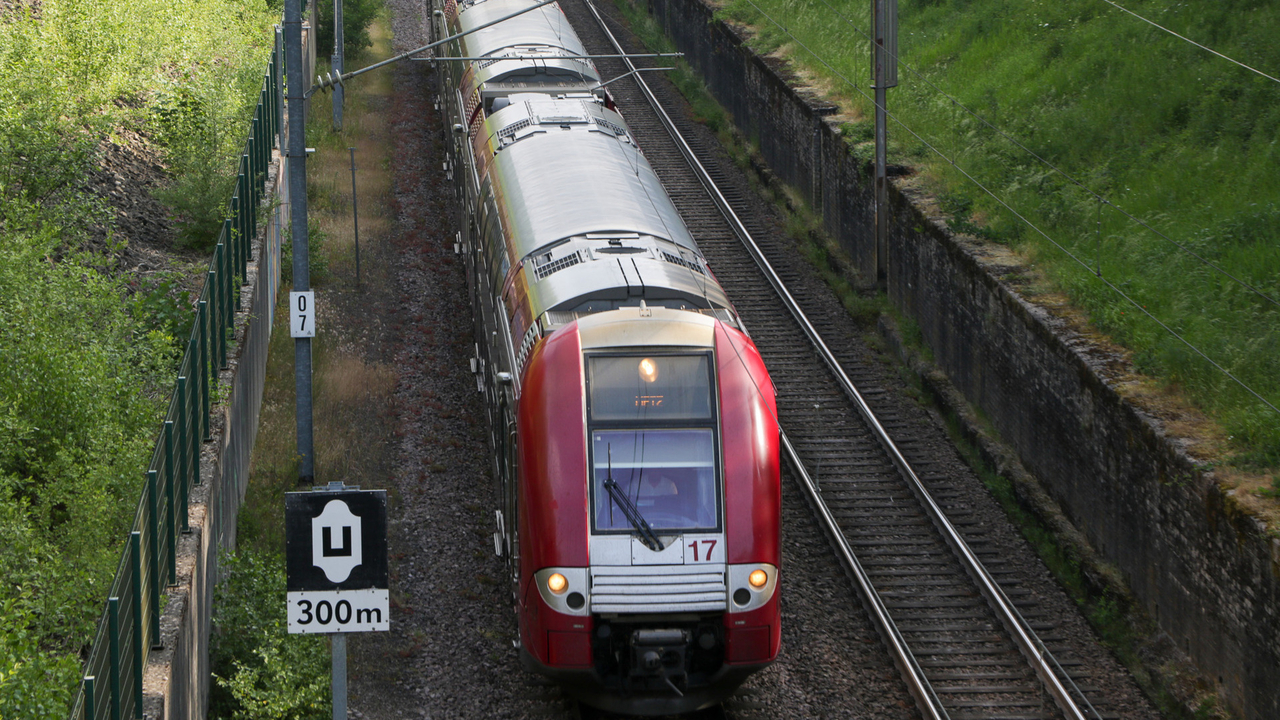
x: 88, y: 698
x: 180, y: 426
x: 153, y: 567
x: 234, y: 227
x: 204, y: 367
x: 183, y: 444
x: 194, y: 421
x: 236, y: 249
x: 217, y: 336
x: 171, y: 511
x: 280, y: 88
x: 271, y: 101
x: 229, y: 286
x: 135, y: 552
x: 264, y: 111
x: 255, y: 157
x: 113, y: 633
x: 273, y: 89
x: 256, y: 123
x: 259, y: 169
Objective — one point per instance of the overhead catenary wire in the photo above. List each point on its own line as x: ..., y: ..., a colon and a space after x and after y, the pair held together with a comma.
x: 1097, y: 196
x: 951, y: 161
x: 1193, y: 42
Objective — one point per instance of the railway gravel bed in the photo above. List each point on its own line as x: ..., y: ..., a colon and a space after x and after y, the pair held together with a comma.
x: 965, y: 652
x: 450, y: 652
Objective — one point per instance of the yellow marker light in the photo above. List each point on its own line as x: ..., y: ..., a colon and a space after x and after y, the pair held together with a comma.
x: 758, y: 578
x: 557, y: 583
x: 648, y: 370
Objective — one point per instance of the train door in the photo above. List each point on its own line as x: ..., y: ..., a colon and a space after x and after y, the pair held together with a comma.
x: 509, y: 499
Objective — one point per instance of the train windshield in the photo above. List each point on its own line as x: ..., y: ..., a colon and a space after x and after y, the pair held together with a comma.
x: 653, y: 433
x: 669, y: 476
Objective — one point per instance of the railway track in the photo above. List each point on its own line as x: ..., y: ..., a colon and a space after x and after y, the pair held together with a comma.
x: 946, y: 600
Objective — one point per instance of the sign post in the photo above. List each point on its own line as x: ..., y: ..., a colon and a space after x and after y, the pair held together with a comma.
x: 336, y: 566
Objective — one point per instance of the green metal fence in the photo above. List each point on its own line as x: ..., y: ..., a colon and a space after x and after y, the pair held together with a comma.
x: 129, y: 629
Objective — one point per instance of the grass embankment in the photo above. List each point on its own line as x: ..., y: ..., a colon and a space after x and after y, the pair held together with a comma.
x: 260, y: 670
x: 1185, y: 141
x: 88, y: 349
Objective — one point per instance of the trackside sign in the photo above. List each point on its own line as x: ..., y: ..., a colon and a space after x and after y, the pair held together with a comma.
x: 336, y: 558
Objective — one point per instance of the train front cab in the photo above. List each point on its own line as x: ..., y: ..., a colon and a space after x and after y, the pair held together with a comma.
x: 677, y: 411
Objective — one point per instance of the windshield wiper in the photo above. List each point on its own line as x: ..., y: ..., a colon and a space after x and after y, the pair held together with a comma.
x: 647, y: 535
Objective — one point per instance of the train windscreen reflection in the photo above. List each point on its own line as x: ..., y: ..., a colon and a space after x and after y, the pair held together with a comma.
x: 668, y: 474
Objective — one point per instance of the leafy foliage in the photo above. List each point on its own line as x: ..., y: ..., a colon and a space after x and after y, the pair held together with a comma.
x: 357, y: 16
x: 32, y: 682
x: 88, y: 359
x: 185, y: 72
x: 168, y: 307
x: 260, y: 671
x: 80, y: 391
x: 317, y: 255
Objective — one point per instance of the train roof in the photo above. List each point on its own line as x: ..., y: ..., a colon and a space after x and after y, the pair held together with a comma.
x: 542, y: 30
x: 568, y: 167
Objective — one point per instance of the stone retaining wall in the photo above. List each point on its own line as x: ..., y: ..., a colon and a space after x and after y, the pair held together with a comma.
x: 1204, y: 570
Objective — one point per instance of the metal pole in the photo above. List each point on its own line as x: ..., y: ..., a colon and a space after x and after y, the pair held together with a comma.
x: 113, y: 636
x: 338, y: 677
x: 884, y: 76
x: 135, y: 554
x: 355, y: 213
x: 337, y: 63
x: 877, y: 82
x: 297, y: 154
x: 280, y: 131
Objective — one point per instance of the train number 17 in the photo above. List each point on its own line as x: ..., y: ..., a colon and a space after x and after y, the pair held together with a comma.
x: 710, y: 545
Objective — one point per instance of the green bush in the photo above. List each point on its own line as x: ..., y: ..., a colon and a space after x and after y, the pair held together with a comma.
x: 260, y: 671
x: 87, y: 358
x: 82, y: 387
x: 33, y: 681
x: 185, y: 73
x: 357, y: 16
x: 317, y: 255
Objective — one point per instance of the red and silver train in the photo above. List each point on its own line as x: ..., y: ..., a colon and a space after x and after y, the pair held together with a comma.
x: 634, y: 423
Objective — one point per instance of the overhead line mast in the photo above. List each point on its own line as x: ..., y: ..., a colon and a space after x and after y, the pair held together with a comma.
x: 884, y: 75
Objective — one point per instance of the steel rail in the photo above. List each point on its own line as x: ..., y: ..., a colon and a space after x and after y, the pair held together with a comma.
x: 1024, y: 637
x: 928, y: 701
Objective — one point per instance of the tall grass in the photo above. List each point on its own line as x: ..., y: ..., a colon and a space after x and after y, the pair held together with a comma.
x: 184, y: 73
x: 1185, y: 141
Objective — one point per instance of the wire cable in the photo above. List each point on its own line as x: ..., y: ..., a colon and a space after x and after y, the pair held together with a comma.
x: 1030, y: 224
x: 1193, y: 42
x: 1100, y: 198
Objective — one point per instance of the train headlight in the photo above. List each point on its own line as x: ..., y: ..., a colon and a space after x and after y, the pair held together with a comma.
x: 557, y: 583
x: 564, y: 589
x: 751, y: 585
x: 648, y: 370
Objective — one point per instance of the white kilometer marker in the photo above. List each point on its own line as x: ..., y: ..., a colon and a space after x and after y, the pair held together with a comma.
x: 302, y: 314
